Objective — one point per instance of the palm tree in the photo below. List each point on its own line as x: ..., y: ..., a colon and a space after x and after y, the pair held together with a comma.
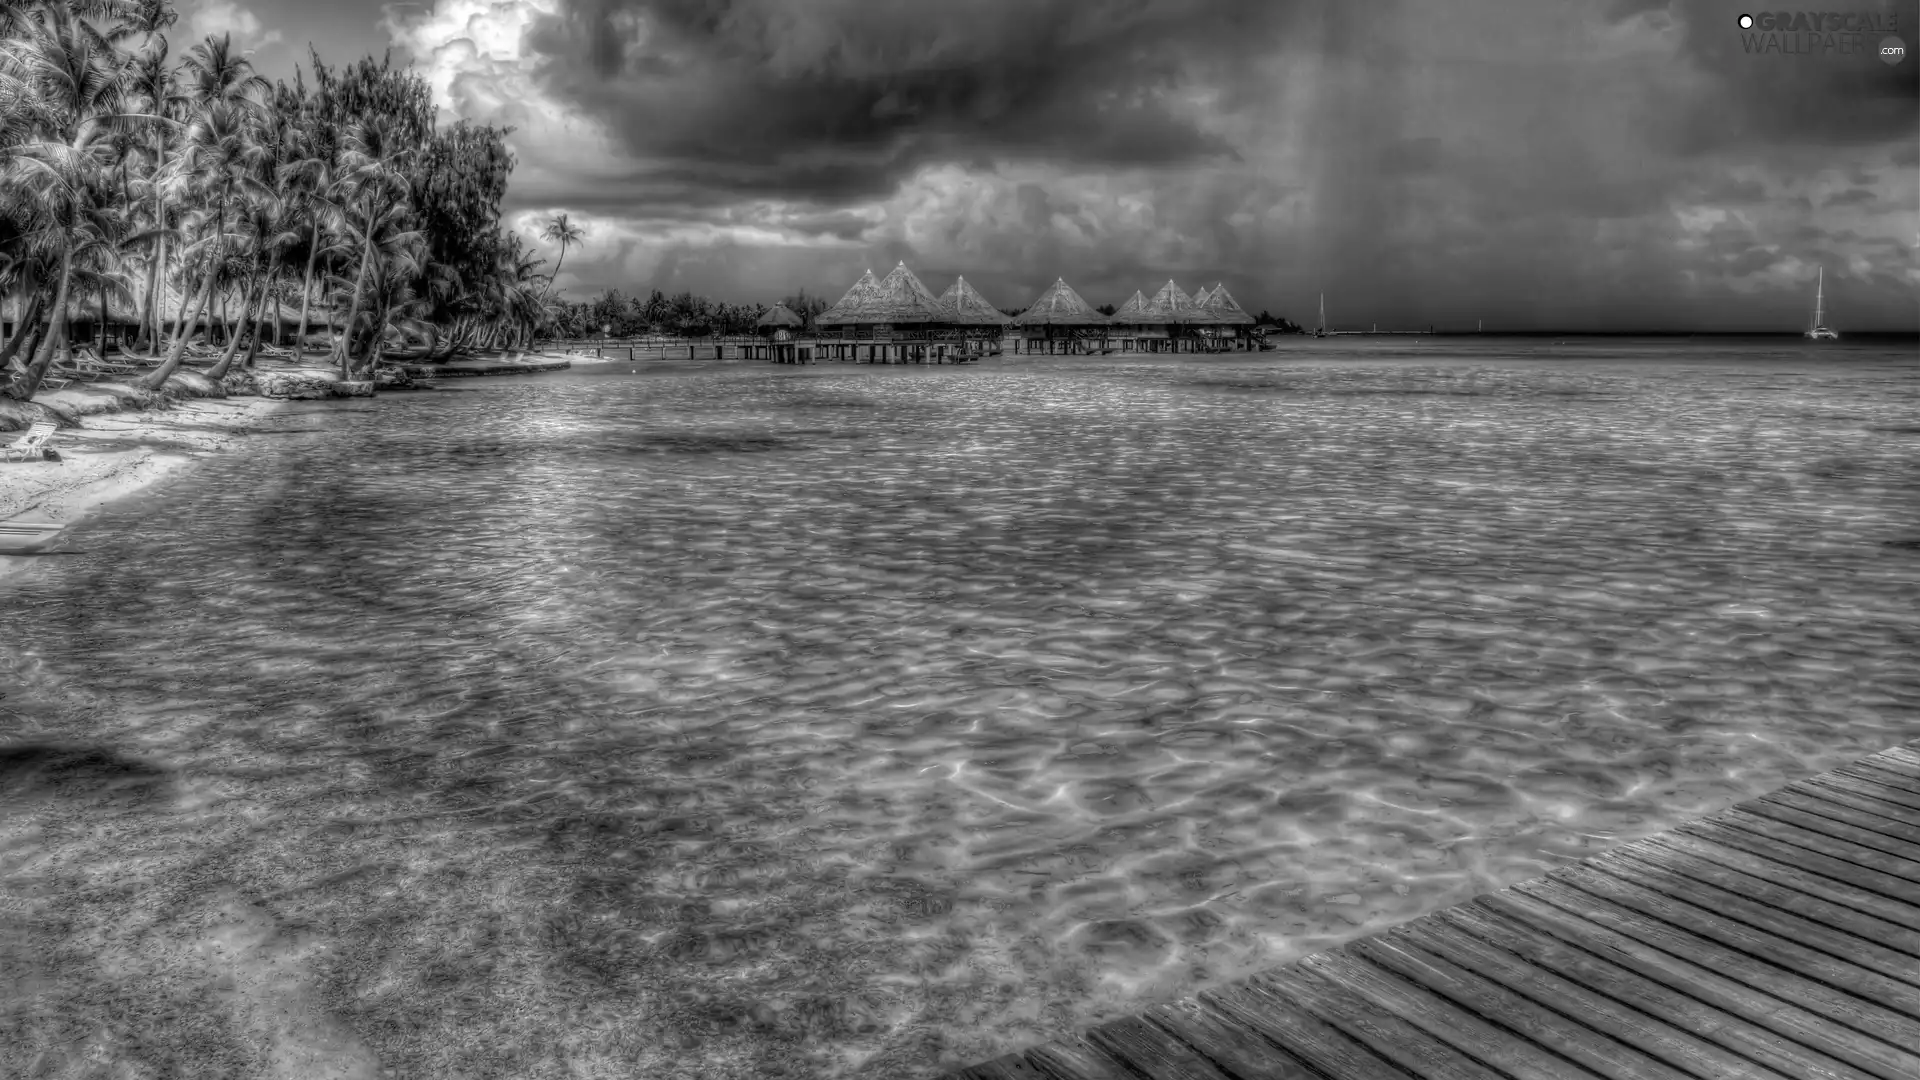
x: 67, y: 83
x: 370, y: 163
x: 221, y: 152
x: 560, y: 230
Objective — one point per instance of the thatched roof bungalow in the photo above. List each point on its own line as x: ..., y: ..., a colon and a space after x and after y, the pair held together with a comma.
x: 1177, y: 308
x: 898, y: 315
x: 1137, y: 311
x: 1064, y: 320
x: 971, y: 309
x: 1224, y: 308
x: 777, y: 318
x: 898, y: 300
x: 1200, y: 298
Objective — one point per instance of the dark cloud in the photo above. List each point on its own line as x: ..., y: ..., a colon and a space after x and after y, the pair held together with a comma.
x: 843, y: 98
x: 1821, y: 97
x: 1851, y: 197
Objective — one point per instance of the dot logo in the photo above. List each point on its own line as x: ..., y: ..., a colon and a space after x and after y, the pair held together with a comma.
x: 1746, y: 22
x: 1892, y: 50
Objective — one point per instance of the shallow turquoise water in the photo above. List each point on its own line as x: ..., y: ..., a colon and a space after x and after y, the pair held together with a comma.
x: 858, y: 721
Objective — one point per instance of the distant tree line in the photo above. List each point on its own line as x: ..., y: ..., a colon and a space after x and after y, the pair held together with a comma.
x: 684, y: 313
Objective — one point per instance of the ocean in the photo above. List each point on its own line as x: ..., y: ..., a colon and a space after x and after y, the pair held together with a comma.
x: 742, y: 720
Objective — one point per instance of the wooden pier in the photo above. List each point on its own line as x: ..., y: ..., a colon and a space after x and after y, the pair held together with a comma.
x: 1779, y: 940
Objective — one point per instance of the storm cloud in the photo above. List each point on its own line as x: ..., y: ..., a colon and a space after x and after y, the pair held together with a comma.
x: 1539, y: 163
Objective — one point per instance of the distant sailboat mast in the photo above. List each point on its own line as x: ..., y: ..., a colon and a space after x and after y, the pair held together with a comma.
x: 1322, y: 331
x: 1819, y: 331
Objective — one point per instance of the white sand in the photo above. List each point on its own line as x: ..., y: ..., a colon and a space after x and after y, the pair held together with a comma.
x: 114, y: 455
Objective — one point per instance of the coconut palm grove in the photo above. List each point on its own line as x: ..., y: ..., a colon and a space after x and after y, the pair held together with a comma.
x: 155, y: 190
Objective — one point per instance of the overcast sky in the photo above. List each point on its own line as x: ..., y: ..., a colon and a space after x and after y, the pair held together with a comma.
x: 1533, y: 163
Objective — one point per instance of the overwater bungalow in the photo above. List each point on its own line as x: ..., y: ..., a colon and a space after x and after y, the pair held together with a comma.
x: 982, y: 325
x: 1062, y: 322
x: 893, y: 320
x: 1137, y: 327
x: 1232, y: 323
x: 1180, y: 318
x: 778, y: 327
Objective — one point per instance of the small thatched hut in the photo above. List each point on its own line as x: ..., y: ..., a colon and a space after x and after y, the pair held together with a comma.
x: 778, y: 326
x: 1200, y: 298
x: 1061, y: 321
x: 896, y: 318
x: 981, y: 324
x: 1231, y: 320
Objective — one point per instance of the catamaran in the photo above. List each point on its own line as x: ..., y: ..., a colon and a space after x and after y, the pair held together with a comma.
x: 1820, y: 330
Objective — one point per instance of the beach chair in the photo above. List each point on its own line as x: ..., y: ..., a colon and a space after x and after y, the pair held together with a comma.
x: 31, y: 446
x: 92, y: 363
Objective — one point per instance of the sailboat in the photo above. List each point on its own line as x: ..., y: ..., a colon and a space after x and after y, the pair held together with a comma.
x: 1820, y: 331
x: 1322, y: 331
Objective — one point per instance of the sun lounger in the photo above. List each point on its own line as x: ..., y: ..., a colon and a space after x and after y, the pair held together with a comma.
x: 31, y: 446
x: 92, y: 363
x: 26, y: 537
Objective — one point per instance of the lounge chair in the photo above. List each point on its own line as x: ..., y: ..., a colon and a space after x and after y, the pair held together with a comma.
x: 26, y: 537
x: 31, y: 446
x: 91, y: 363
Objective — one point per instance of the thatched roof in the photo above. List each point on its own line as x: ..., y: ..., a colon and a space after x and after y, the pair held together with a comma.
x: 1060, y: 306
x: 900, y: 298
x: 1138, y: 311
x: 858, y: 302
x: 780, y: 315
x: 1174, y: 306
x: 1224, y: 308
x: 970, y: 307
x: 1200, y: 298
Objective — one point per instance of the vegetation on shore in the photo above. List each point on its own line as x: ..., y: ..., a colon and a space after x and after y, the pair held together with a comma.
x: 190, y: 193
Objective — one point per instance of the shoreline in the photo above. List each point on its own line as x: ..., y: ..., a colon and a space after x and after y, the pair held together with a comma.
x: 116, y: 454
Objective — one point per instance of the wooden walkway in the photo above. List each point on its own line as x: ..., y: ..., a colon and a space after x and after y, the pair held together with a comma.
x: 1780, y: 939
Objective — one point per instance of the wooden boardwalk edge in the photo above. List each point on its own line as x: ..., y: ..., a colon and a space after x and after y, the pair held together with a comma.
x: 1776, y: 940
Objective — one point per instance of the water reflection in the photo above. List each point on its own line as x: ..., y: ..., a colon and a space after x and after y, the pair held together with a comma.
x: 866, y: 722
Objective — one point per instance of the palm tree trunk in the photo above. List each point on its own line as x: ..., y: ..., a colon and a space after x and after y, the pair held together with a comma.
x: 306, y: 294
x: 219, y: 370
x: 24, y: 328
x: 153, y: 324
x: 359, y: 290
x: 25, y: 385
x: 158, y: 377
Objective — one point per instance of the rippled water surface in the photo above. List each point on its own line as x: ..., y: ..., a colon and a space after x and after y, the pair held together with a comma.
x: 754, y: 721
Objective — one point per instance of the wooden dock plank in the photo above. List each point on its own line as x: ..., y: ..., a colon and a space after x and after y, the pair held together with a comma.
x: 1391, y: 1037
x: 1724, y: 977
x: 1239, y: 1050
x: 1776, y: 940
x: 1756, y: 861
x: 1073, y: 1058
x: 1891, y: 778
x: 1832, y: 823
x: 1814, y: 834
x: 1616, y: 1022
x: 1680, y: 1007
x: 1735, y: 892
x: 1333, y: 1052
x: 1898, y: 757
x: 1866, y: 789
x: 1152, y: 1051
x: 1447, y: 1022
x: 1839, y: 869
x: 1480, y: 996
x: 1908, y: 816
x: 1780, y: 939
